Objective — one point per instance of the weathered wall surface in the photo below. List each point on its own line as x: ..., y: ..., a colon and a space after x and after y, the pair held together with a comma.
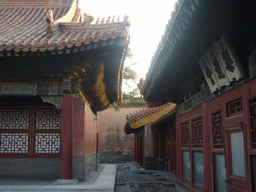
x: 109, y: 121
x: 30, y: 167
x: 149, y: 142
x: 85, y: 128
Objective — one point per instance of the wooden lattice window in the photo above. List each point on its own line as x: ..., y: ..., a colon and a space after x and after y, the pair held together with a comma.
x: 29, y: 130
x: 14, y: 130
x: 185, y: 135
x: 217, y: 135
x: 252, y: 116
x: 47, y: 131
x: 197, y: 133
x: 234, y: 107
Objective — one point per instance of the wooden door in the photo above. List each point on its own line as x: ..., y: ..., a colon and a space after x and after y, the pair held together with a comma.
x: 236, y: 162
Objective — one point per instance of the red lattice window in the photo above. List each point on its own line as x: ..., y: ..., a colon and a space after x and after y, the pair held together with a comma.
x: 30, y: 130
x: 252, y: 116
x: 47, y: 132
x: 185, y: 135
x: 14, y: 130
x: 217, y: 130
x: 14, y: 119
x: 48, y: 119
x: 197, y: 132
x: 14, y: 143
x: 234, y: 107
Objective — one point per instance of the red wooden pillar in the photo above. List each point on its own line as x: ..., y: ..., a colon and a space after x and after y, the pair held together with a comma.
x: 143, y: 150
x: 134, y: 148
x: 140, y: 150
x: 178, y: 150
x: 207, y: 149
x: 66, y: 138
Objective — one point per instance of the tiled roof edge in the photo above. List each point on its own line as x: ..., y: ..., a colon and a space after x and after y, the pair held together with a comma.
x: 173, y: 34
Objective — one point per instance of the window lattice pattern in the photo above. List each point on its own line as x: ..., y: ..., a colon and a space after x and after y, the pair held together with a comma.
x: 234, y: 107
x: 217, y: 130
x: 252, y: 106
x: 197, y: 133
x: 14, y: 118
x: 185, y: 135
x: 14, y: 142
x: 48, y: 119
x: 47, y: 143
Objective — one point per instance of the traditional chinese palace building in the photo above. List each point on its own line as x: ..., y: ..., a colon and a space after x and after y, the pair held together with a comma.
x: 57, y: 69
x: 205, y: 64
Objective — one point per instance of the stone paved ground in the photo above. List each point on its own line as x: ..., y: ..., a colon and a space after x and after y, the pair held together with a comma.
x: 140, y: 180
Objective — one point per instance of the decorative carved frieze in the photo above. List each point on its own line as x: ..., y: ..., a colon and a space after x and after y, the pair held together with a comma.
x: 18, y: 89
x: 67, y: 85
x: 196, y: 100
x: 41, y: 88
x: 57, y: 101
x: 75, y: 85
x: 220, y: 65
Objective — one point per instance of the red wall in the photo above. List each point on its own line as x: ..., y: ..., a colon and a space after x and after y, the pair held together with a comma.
x: 85, y: 128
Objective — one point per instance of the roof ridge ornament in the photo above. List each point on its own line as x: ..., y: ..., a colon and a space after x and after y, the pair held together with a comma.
x: 88, y: 19
x: 126, y: 20
x: 50, y: 23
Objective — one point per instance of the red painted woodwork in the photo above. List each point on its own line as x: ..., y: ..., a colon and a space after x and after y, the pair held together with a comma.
x: 197, y: 133
x: 30, y: 132
x: 252, y: 122
x: 215, y: 121
x: 170, y: 149
x: 66, y: 138
x: 234, y: 107
x: 208, y: 185
x: 217, y: 135
x: 140, y: 150
x: 185, y: 139
x: 47, y: 130
x: 135, y: 149
x: 235, y: 183
x: 143, y: 150
x: 178, y: 150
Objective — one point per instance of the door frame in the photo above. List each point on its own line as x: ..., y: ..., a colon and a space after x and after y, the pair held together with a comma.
x: 239, y: 183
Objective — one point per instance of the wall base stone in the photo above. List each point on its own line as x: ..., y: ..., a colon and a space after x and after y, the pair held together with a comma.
x: 44, y: 168
x: 83, y: 166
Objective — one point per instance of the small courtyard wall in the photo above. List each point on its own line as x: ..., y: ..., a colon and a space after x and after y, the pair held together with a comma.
x: 111, y: 125
x: 85, y: 129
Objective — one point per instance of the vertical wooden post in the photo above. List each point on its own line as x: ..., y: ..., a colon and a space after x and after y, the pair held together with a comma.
x: 97, y: 150
x: 179, y: 160
x: 66, y: 138
x: 135, y: 149
x: 206, y: 149
x: 143, y: 150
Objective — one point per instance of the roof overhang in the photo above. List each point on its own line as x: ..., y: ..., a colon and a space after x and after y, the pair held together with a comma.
x: 194, y: 26
x: 151, y: 116
x: 53, y: 46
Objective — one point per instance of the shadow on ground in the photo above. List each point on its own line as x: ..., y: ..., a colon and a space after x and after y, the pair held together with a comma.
x: 114, y: 157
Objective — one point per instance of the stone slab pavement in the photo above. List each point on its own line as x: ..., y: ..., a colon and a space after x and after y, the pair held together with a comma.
x: 100, y: 181
x: 130, y: 177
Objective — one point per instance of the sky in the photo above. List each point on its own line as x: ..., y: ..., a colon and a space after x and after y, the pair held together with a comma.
x: 148, y: 21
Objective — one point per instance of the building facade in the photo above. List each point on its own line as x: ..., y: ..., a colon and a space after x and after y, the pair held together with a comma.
x: 57, y: 71
x: 154, y: 137
x: 205, y: 64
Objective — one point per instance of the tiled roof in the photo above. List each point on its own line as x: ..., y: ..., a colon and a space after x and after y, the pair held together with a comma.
x: 150, y: 115
x: 174, y: 32
x: 32, y: 26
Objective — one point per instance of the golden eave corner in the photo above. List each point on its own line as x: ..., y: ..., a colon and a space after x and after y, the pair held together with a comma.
x: 151, y: 115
